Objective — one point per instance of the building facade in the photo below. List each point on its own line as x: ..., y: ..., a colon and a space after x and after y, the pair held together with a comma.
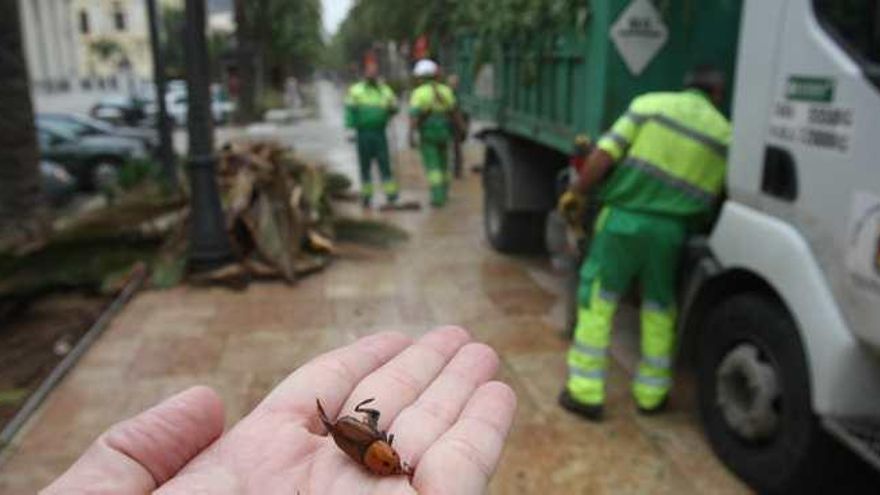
x: 50, y: 44
x: 112, y: 39
x: 86, y: 44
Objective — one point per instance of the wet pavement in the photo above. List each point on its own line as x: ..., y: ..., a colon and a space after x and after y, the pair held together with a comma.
x: 242, y: 343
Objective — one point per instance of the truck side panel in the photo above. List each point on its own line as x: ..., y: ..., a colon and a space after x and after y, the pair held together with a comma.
x: 549, y: 87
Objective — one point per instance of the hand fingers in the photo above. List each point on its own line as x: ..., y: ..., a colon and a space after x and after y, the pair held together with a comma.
x: 141, y: 453
x: 332, y: 376
x: 462, y: 461
x: 401, y: 380
x: 433, y: 413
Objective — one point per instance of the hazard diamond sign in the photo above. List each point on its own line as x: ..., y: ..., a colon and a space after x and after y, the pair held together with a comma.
x: 639, y: 34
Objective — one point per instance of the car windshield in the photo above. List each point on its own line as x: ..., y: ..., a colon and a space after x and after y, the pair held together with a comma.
x: 94, y: 124
x: 58, y: 131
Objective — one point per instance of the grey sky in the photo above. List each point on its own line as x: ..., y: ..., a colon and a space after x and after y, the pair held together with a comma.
x: 334, y: 13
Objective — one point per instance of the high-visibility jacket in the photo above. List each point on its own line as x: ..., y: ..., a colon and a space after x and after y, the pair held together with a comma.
x: 432, y: 103
x: 369, y: 106
x: 671, y: 150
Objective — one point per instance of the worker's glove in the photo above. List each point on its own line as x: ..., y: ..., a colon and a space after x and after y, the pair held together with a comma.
x: 571, y: 206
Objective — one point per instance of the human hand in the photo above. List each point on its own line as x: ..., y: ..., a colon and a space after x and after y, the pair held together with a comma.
x: 449, y: 421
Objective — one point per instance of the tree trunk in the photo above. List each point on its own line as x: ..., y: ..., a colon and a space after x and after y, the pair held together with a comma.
x: 246, y: 72
x: 20, y: 218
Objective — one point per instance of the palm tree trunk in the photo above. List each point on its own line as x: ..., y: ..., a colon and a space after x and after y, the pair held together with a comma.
x: 246, y: 72
x: 19, y: 159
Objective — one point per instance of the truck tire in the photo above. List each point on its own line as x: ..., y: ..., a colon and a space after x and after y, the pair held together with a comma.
x: 754, y: 396
x: 509, y: 231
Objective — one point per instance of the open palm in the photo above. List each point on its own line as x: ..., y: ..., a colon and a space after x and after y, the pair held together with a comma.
x: 449, y: 422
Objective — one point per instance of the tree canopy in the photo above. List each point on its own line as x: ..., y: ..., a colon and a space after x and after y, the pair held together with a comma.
x: 401, y: 20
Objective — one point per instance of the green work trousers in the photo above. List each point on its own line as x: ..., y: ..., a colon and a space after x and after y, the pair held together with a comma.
x: 373, y: 145
x: 435, y: 160
x: 627, y: 246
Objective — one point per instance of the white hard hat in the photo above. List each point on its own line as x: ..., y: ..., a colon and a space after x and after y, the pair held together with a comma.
x: 425, y: 68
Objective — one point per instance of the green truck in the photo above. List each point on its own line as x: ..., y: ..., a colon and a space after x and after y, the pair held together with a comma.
x: 779, y: 307
x: 537, y: 93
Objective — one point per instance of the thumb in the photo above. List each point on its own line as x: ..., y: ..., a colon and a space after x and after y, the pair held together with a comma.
x: 139, y: 454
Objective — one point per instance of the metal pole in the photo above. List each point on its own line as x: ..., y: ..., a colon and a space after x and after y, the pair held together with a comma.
x: 209, y: 243
x: 163, y: 126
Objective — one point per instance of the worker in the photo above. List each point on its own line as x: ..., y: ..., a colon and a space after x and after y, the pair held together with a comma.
x: 432, y: 107
x: 368, y: 109
x: 459, y: 129
x: 661, y: 168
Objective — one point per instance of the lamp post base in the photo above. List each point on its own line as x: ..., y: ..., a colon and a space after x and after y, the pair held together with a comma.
x: 209, y: 247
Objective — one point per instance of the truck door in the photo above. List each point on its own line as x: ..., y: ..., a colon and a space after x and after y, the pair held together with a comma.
x: 822, y: 161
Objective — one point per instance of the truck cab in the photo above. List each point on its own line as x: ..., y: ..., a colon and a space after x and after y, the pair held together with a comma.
x: 780, y: 300
x: 784, y: 304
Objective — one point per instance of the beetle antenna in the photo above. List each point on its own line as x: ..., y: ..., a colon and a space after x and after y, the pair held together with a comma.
x: 364, y: 403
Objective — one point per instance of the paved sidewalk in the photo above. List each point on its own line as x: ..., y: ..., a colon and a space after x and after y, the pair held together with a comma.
x: 242, y: 343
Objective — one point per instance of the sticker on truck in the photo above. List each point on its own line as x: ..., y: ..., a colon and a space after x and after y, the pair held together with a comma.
x: 863, y: 250
x: 807, y: 114
x: 639, y: 34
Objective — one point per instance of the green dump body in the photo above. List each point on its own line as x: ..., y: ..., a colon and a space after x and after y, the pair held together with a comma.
x: 547, y: 87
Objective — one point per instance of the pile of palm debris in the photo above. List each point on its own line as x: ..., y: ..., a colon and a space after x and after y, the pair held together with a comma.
x: 277, y: 212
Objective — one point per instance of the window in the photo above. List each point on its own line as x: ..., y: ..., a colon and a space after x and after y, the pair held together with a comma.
x: 856, y: 25
x: 118, y: 17
x: 84, y: 22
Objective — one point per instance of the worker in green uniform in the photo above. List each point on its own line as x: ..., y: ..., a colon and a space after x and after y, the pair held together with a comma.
x: 369, y: 106
x: 661, y: 168
x: 432, y: 107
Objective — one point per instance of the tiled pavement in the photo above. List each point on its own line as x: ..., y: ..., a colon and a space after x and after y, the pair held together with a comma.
x: 241, y: 343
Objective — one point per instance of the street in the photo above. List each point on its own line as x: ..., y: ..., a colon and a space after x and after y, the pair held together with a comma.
x: 242, y: 343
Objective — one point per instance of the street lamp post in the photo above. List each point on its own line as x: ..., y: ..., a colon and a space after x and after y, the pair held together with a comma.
x: 166, y: 150
x: 209, y: 243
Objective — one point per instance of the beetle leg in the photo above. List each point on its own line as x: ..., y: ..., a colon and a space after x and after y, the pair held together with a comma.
x: 372, y: 414
x: 391, y: 439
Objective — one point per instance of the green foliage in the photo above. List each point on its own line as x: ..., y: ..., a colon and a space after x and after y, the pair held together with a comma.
x: 287, y: 34
x: 173, y: 20
x: 106, y: 49
x: 494, y: 20
x: 136, y: 172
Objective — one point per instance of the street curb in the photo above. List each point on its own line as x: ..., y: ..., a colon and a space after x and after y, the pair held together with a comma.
x: 7, y: 435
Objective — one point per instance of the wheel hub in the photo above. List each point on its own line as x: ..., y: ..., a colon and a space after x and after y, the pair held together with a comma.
x: 747, y: 389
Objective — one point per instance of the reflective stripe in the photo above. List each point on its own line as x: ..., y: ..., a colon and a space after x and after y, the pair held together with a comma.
x: 670, y: 180
x: 656, y: 362
x: 638, y: 118
x: 704, y: 139
x: 588, y: 374
x: 654, y: 381
x: 435, y: 178
x: 714, y: 144
x: 589, y: 350
x: 390, y: 187
x: 617, y: 138
x: 608, y: 295
x: 652, y: 306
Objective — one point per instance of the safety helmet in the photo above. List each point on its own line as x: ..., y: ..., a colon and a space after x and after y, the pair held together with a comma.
x: 425, y: 68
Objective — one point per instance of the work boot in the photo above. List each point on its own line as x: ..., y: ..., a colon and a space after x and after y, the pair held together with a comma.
x: 593, y: 412
x: 659, y: 408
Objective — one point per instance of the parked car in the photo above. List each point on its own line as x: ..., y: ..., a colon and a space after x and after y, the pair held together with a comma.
x: 82, y: 125
x: 177, y: 102
x: 58, y: 185
x: 120, y: 109
x: 87, y: 158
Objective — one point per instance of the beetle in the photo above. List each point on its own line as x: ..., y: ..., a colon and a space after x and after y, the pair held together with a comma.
x: 362, y: 440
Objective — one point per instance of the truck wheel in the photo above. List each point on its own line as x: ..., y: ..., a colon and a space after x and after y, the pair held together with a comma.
x: 509, y: 231
x: 754, y: 396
